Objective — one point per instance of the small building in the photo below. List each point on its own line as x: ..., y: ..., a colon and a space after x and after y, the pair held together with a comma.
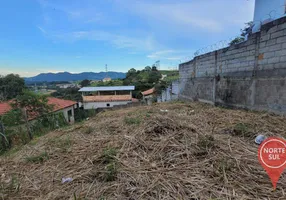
x: 171, y: 93
x: 59, y: 105
x: 149, y: 96
x: 106, y: 97
x: 107, y: 79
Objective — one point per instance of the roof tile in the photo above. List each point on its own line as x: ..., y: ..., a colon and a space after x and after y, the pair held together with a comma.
x: 4, y: 107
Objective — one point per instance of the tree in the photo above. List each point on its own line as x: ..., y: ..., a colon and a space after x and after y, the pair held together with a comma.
x: 31, y: 105
x: 131, y: 72
x: 142, y: 79
x: 154, y: 77
x: 68, y: 93
x: 85, y: 83
x: 244, y: 32
x: 161, y: 85
x: 237, y: 40
x: 147, y: 68
x: 11, y: 85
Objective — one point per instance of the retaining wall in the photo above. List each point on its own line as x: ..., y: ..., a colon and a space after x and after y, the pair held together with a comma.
x: 247, y: 75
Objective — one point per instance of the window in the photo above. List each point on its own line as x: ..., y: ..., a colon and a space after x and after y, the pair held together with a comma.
x: 108, y: 105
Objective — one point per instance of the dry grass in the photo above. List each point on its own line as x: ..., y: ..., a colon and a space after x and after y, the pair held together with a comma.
x: 193, y: 151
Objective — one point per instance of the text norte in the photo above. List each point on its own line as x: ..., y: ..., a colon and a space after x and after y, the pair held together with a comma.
x: 274, y: 153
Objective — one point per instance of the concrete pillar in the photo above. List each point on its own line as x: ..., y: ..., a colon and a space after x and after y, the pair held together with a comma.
x: 255, y: 69
x: 214, y: 78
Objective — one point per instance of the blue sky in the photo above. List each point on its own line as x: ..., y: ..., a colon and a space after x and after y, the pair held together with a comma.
x: 39, y: 36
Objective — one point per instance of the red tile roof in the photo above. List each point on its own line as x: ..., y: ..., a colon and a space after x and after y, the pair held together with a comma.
x: 105, y: 98
x: 4, y: 107
x: 148, y: 92
x: 58, y: 104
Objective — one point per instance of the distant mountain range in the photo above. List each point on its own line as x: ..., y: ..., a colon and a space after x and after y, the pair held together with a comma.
x: 66, y: 76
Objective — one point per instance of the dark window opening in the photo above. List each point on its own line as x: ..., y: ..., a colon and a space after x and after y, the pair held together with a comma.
x: 69, y: 115
x: 108, y: 105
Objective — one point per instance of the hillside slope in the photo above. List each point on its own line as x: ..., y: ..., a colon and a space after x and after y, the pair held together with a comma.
x: 191, y: 151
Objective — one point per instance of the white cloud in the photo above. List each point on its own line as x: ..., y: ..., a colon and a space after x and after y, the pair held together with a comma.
x: 158, y: 54
x: 119, y: 41
x: 169, y: 55
x: 211, y: 15
x: 42, y: 30
x: 115, y: 22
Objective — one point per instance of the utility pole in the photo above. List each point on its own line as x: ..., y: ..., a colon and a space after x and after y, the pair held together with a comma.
x: 106, y: 71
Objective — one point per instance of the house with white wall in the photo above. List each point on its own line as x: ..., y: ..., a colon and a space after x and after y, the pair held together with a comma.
x: 149, y: 96
x: 106, y: 97
x: 267, y: 11
x: 58, y: 106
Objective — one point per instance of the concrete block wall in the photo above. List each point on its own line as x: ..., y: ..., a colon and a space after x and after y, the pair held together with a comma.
x: 250, y: 75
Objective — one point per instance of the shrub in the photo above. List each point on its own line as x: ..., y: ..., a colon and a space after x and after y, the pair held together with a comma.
x: 110, y: 165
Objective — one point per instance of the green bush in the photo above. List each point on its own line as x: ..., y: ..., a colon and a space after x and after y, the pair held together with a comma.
x: 16, y: 133
x: 131, y: 120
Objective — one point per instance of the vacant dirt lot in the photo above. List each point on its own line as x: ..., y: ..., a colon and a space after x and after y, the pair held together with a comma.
x: 166, y: 151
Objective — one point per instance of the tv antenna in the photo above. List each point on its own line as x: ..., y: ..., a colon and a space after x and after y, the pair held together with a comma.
x: 157, y: 64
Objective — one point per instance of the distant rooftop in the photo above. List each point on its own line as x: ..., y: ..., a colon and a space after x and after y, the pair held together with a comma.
x: 106, y: 88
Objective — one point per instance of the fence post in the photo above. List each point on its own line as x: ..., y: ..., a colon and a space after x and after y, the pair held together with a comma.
x: 24, y: 112
x: 215, y: 78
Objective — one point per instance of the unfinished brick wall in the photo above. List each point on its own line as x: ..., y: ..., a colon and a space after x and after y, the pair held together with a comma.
x: 247, y: 75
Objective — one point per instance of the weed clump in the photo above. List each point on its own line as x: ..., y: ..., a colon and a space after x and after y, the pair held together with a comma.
x: 109, y: 166
x: 242, y: 129
x: 132, y: 121
x: 63, y: 144
x: 204, y: 144
x: 206, y: 141
x: 88, y: 130
x: 38, y: 158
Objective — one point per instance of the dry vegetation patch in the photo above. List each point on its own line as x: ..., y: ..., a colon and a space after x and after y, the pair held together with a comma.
x: 166, y: 151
